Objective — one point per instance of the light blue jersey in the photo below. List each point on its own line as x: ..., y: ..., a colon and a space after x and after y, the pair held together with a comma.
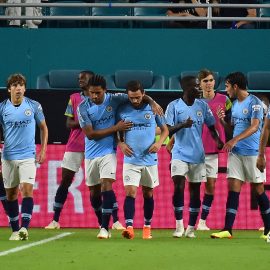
x: 19, y: 128
x: 100, y: 117
x: 188, y: 145
x: 242, y: 113
x: 142, y: 135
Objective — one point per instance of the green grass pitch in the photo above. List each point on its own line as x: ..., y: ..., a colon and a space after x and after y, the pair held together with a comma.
x: 82, y: 250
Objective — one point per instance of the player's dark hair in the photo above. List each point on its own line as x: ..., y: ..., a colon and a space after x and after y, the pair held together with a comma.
x: 97, y: 80
x: 237, y: 78
x: 15, y: 79
x: 88, y: 72
x: 134, y: 86
x: 187, y: 81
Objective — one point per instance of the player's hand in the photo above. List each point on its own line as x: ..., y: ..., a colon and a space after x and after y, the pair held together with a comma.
x: 126, y: 149
x: 261, y: 163
x: 157, y: 109
x: 220, y: 144
x: 123, y: 125
x: 228, y: 146
x: 154, y: 148
x: 220, y: 113
x: 169, y: 147
x: 40, y: 157
x: 188, y: 123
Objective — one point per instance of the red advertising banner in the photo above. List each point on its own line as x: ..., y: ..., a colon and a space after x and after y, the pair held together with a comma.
x: 78, y: 212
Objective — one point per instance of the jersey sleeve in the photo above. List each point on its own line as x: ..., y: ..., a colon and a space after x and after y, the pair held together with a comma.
x: 119, y: 98
x: 169, y: 115
x: 160, y: 120
x: 84, y: 119
x: 69, y: 110
x: 38, y: 113
x: 256, y: 109
x: 228, y: 104
x: 209, y: 118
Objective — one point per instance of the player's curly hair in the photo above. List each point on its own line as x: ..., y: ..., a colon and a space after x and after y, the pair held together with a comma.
x: 97, y: 80
x: 15, y: 79
x: 237, y: 78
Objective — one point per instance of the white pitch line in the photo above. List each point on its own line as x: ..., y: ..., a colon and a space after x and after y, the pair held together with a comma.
x: 41, y: 242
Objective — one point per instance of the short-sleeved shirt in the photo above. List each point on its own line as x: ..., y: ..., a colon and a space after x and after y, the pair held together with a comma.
x: 242, y: 114
x: 188, y: 145
x: 219, y: 101
x: 19, y: 128
x: 76, y: 137
x: 142, y: 135
x: 100, y: 116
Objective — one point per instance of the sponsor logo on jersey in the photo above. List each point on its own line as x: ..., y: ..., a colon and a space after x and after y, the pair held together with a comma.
x: 256, y: 108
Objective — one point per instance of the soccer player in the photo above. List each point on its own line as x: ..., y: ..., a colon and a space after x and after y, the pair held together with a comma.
x: 97, y: 120
x: 18, y: 117
x: 216, y: 102
x: 185, y: 119
x: 247, y: 117
x: 140, y: 159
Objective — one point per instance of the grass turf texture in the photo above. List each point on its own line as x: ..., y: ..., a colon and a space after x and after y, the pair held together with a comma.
x: 82, y: 250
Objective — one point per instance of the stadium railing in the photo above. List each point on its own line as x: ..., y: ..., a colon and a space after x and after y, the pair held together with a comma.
x: 209, y: 18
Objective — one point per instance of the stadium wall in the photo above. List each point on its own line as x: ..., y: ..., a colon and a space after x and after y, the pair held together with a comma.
x: 165, y: 51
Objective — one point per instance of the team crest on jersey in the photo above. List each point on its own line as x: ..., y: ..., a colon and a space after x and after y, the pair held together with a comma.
x: 245, y: 111
x: 199, y: 113
x: 147, y: 116
x: 27, y: 112
x: 256, y: 108
x: 109, y: 108
x: 127, y: 178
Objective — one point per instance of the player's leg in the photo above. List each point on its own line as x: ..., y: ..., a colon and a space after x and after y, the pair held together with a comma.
x: 107, y: 169
x: 70, y: 165
x: 211, y: 162
x: 256, y: 178
x: 149, y: 181
x: 148, y: 208
x: 129, y: 209
x: 96, y: 201
x: 263, y: 202
x: 27, y: 175
x: 178, y: 171
x: 236, y: 177
x: 10, y: 174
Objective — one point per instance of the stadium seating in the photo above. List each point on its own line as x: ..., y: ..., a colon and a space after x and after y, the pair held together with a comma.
x: 265, y: 12
x: 174, y: 81
x: 111, y: 11
x: 143, y: 11
x: 148, y: 79
x: 59, y: 80
x: 68, y: 11
x: 258, y: 80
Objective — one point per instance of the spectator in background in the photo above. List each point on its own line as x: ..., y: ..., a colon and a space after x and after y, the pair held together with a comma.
x: 237, y: 12
x: 187, y: 12
x: 29, y: 11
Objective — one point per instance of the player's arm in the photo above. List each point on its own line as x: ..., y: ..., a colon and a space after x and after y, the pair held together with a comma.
x: 215, y: 136
x: 225, y: 120
x: 164, y: 132
x: 71, y: 123
x: 40, y: 158
x: 254, y: 126
x: 170, y: 145
x: 125, y: 148
x: 156, y: 108
x: 93, y: 134
x: 263, y: 142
